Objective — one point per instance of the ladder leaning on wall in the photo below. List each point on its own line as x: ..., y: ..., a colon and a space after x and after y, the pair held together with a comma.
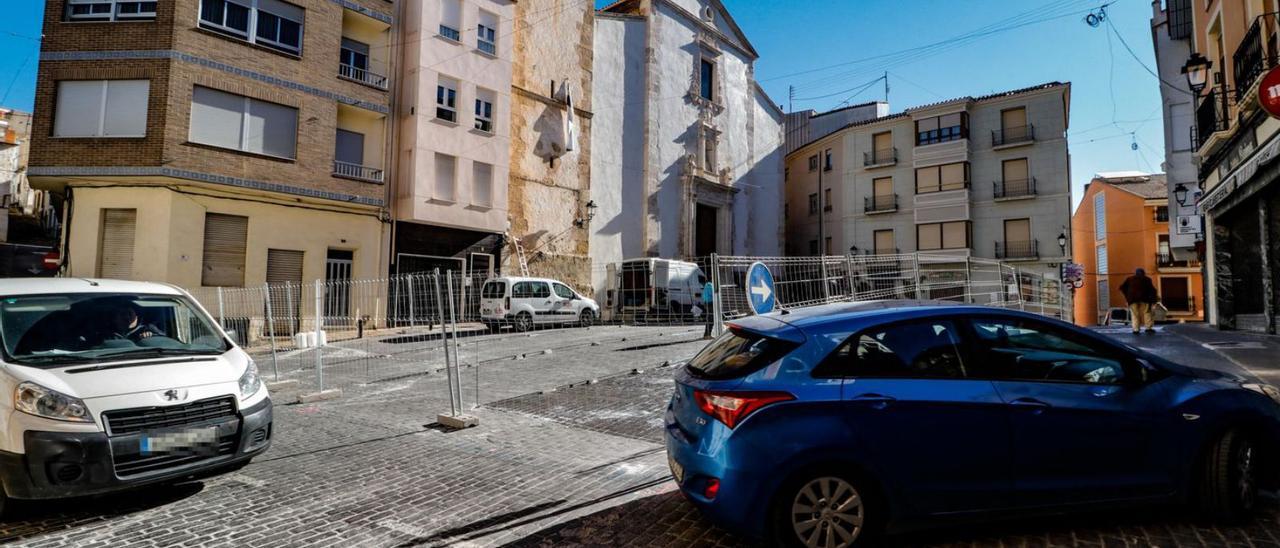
x: 524, y: 262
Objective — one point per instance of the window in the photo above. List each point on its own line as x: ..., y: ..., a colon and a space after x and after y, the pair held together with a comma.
x: 115, y: 243
x: 235, y: 122
x: 737, y: 353
x: 101, y: 108
x: 934, y: 236
x: 530, y: 290
x: 493, y: 290
x: 882, y: 193
x: 486, y: 33
x: 826, y: 160
x: 826, y: 199
x: 708, y: 151
x: 354, y: 54
x: 941, y: 129
x: 707, y: 79
x: 884, y: 242
x: 446, y: 177
x: 484, y: 110
x: 224, y: 250
x: 1104, y: 296
x: 451, y: 19
x: 813, y: 163
x: 482, y: 184
x: 882, y: 146
x: 1099, y: 216
x: 349, y: 148
x: 1102, y: 260
x: 1025, y: 350
x: 943, y: 177
x: 278, y: 24
x: 110, y: 10
x: 1013, y: 124
x: 915, y: 350
x: 1162, y: 214
x: 813, y: 247
x: 447, y: 100
x: 562, y: 291
x: 826, y: 246
x: 813, y: 204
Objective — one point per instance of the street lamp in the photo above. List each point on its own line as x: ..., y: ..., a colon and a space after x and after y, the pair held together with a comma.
x: 1197, y: 71
x: 1180, y: 194
x: 1062, y: 242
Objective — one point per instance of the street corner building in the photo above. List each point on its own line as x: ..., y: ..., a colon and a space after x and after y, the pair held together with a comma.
x: 1122, y: 225
x: 970, y: 178
x: 686, y: 147
x: 216, y: 142
x: 1232, y: 48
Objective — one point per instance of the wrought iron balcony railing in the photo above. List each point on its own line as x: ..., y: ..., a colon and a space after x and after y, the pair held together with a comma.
x: 357, y: 171
x: 884, y: 157
x: 1255, y: 54
x: 1029, y: 249
x: 880, y: 204
x: 1013, y: 135
x: 1212, y: 115
x: 1167, y: 260
x: 1014, y: 188
x: 363, y: 76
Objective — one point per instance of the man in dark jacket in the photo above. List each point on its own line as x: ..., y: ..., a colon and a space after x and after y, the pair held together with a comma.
x: 1140, y: 293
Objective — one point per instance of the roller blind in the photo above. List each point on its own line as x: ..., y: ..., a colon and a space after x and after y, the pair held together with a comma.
x: 929, y: 236
x: 955, y: 235
x: 883, y: 186
x: 232, y: 121
x: 115, y: 250
x: 1015, y: 170
x: 101, y: 108
x: 1013, y: 118
x: 884, y: 241
x: 882, y: 141
x: 482, y: 195
x: 446, y: 177
x: 225, y: 238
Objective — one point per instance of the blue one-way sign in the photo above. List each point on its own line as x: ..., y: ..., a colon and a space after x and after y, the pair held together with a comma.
x: 760, y: 289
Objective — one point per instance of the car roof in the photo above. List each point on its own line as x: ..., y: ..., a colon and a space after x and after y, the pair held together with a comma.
x: 46, y: 286
x: 522, y: 279
x: 860, y: 313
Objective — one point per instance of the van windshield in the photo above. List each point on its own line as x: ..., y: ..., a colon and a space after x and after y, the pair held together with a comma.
x: 51, y: 330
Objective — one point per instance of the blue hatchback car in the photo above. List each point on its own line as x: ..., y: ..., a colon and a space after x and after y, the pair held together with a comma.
x: 830, y: 425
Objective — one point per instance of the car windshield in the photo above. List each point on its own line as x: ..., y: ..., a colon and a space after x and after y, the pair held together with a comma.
x: 51, y: 330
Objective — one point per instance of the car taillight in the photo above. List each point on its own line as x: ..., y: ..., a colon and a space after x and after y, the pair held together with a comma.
x: 732, y: 407
x: 712, y: 489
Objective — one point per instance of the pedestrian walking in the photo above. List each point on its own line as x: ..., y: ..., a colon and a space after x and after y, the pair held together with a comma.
x: 1140, y: 293
x: 708, y: 298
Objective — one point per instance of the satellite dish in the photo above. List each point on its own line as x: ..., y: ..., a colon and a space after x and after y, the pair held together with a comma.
x: 708, y: 14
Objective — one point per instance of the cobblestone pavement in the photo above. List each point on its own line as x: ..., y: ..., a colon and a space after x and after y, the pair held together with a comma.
x: 557, y: 460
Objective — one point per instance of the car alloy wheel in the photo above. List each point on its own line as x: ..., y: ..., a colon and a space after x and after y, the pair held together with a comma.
x: 586, y: 318
x: 524, y: 322
x: 827, y: 511
x: 1246, y: 476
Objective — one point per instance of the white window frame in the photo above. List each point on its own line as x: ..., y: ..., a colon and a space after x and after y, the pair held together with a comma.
x: 102, y: 112
x: 244, y: 127
x: 475, y: 185
x: 435, y: 179
x: 1099, y: 216
x: 251, y: 34
x: 114, y: 13
x: 486, y: 35
x: 440, y: 84
x: 480, y: 103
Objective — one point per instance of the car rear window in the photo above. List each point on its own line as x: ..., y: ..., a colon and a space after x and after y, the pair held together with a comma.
x: 737, y: 353
x: 494, y: 290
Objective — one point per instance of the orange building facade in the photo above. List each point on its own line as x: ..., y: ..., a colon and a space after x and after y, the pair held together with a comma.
x: 1122, y: 224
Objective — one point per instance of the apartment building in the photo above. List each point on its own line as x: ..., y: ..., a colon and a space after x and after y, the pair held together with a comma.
x: 551, y: 209
x: 969, y: 177
x: 454, y: 134
x: 1122, y: 224
x: 1233, y: 45
x: 27, y: 211
x: 217, y: 142
x: 686, y: 147
x: 1171, y: 34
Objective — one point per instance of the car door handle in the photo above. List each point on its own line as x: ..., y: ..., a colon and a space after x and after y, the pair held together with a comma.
x: 1030, y: 403
x: 878, y: 401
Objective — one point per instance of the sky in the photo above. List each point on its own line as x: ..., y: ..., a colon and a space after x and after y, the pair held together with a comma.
x: 1115, y: 102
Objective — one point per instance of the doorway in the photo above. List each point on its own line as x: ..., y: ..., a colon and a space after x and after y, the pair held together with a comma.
x: 1175, y: 293
x: 706, y: 222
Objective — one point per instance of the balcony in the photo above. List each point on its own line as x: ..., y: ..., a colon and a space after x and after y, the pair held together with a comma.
x: 1013, y: 136
x: 1013, y: 189
x: 1018, y: 250
x: 1212, y: 116
x: 363, y: 76
x: 880, y: 204
x: 880, y: 158
x: 1255, y: 54
x: 1166, y: 260
x: 357, y: 171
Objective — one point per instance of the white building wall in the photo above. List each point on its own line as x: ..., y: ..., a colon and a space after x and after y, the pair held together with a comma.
x: 1177, y: 105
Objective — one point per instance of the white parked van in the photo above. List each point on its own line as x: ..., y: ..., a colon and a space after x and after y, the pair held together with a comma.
x: 661, y: 287
x: 525, y: 302
x: 109, y: 384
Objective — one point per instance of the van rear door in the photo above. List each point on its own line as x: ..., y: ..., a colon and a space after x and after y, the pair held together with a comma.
x: 661, y: 284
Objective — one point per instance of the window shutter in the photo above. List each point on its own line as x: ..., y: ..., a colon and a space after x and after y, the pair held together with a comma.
x: 272, y: 129
x: 1015, y: 170
x: 1013, y: 118
x: 350, y: 147
x: 225, y: 239
x: 482, y: 193
x: 79, y: 108
x: 882, y: 142
x: 126, y: 108
x: 115, y: 252
x: 285, y: 266
x: 217, y: 118
x: 884, y: 241
x: 446, y: 166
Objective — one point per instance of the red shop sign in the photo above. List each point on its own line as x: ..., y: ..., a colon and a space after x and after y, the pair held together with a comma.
x: 1269, y: 92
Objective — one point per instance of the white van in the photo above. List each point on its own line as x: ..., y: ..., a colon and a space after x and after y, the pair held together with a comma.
x: 524, y: 302
x: 107, y: 384
x: 659, y: 287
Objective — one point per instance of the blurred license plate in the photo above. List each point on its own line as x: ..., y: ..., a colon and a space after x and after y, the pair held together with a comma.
x: 195, y: 440
x: 486, y: 311
x: 677, y: 471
